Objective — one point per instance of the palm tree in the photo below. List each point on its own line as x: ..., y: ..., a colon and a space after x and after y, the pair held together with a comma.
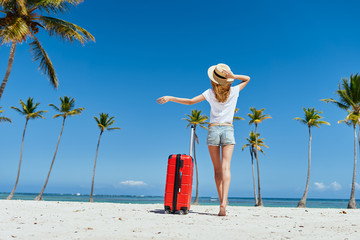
x: 237, y: 118
x: 312, y: 119
x: 352, y: 119
x: 4, y: 119
x: 22, y: 22
x: 29, y: 111
x: 196, y: 119
x: 103, y: 123
x: 349, y: 94
x: 66, y: 109
x: 252, y: 142
x: 257, y: 117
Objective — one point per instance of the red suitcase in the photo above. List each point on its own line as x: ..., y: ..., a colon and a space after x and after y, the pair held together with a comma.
x: 178, y: 184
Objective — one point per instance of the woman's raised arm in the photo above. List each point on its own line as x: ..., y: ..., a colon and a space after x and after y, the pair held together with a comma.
x: 185, y: 101
x: 245, y: 79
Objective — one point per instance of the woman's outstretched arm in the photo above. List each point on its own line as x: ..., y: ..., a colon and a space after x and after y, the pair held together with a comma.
x: 185, y: 101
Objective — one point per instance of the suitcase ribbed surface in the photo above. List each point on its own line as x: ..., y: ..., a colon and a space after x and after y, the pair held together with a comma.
x: 178, y: 186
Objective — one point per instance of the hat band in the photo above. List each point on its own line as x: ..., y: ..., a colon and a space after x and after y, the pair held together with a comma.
x: 219, y: 76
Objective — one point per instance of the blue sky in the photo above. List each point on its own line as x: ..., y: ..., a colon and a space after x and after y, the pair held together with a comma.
x: 295, y: 52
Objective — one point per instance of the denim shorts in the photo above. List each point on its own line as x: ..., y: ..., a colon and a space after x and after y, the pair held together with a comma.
x: 220, y: 135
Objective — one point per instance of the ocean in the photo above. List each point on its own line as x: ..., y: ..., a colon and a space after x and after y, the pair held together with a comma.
x: 233, y: 201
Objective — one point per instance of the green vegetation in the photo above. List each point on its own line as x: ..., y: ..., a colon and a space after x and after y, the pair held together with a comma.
x: 349, y: 100
x: 252, y: 143
x: 256, y: 117
x: 196, y: 119
x: 66, y: 109
x: 4, y: 119
x: 312, y: 119
x: 29, y: 111
x: 103, y: 123
x: 23, y: 20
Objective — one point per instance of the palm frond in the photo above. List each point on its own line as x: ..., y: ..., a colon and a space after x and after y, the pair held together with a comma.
x: 55, y: 107
x: 351, y: 119
x: 312, y: 118
x: 75, y: 111
x: 104, y: 122
x: 238, y: 118
x: 97, y: 120
x: 17, y: 109
x: 21, y: 6
x: 196, y: 118
x: 348, y: 93
x: 46, y: 65
x: 10, y: 4
x: 110, y: 122
x: 59, y: 115
x: 17, y: 31
x: 29, y: 109
x: 37, y: 114
x: 5, y: 119
x: 25, y: 106
x: 254, y: 140
x: 347, y: 122
x: 53, y: 6
x: 65, y: 30
x: 300, y: 120
x: 114, y: 128
x: 245, y: 145
x: 257, y: 116
x: 323, y: 122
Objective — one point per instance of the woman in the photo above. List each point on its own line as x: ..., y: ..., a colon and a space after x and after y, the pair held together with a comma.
x: 220, y: 139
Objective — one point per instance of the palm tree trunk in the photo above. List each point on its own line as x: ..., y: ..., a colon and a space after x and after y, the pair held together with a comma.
x: 8, y: 70
x: 196, y: 200
x: 39, y: 197
x: 352, y: 202
x: 253, y: 174
x: 260, y: 203
x: 302, y: 202
x: 92, y: 185
x: 21, y: 154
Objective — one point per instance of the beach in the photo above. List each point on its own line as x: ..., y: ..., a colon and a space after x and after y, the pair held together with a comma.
x: 21, y: 219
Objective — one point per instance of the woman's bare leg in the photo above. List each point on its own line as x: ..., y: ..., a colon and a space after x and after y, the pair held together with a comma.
x: 215, y: 157
x: 227, y: 152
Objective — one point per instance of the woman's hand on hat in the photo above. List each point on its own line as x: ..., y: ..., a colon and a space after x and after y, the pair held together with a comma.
x: 228, y: 74
x: 163, y: 99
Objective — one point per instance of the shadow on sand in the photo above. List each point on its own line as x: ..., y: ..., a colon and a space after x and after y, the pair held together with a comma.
x: 162, y: 211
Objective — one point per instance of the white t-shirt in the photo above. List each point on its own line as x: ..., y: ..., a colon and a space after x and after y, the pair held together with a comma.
x: 222, y: 112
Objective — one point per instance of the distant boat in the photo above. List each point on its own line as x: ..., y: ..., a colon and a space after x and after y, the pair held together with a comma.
x: 78, y: 194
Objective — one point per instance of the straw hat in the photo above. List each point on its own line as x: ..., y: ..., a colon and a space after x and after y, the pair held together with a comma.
x: 217, y: 76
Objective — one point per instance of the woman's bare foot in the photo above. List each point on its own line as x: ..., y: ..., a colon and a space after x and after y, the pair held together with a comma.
x: 222, y: 211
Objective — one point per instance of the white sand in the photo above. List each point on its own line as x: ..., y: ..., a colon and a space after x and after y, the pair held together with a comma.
x: 73, y: 220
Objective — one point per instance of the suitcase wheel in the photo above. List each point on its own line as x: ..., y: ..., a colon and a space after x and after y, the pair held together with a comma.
x: 182, y: 212
x: 167, y: 211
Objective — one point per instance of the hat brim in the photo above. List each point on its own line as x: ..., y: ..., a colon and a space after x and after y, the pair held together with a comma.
x: 220, y: 82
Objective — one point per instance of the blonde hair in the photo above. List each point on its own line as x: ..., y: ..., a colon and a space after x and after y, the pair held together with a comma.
x: 222, y: 92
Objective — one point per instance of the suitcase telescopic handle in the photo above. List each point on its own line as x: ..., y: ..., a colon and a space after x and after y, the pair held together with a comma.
x: 180, y: 182
x: 191, y: 150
